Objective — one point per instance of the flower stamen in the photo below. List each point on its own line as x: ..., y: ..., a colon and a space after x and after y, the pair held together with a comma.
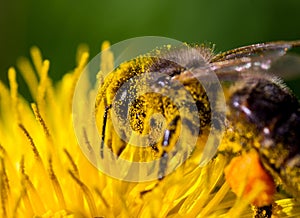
x: 74, y: 166
x: 42, y: 88
x: 14, y: 91
x: 30, y: 139
x: 87, y: 193
x: 31, y: 192
x: 27, y: 72
x: 98, y: 192
x: 37, y: 59
x: 92, y: 155
x: 5, y: 189
x: 56, y: 186
x: 40, y: 120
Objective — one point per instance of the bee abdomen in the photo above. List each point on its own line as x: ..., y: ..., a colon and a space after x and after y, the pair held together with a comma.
x: 290, y: 169
x: 274, y: 114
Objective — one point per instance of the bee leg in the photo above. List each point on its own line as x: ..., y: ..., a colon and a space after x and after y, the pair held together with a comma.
x: 162, y: 165
x: 103, y: 130
x: 164, y: 157
x: 166, y: 142
x: 263, y: 212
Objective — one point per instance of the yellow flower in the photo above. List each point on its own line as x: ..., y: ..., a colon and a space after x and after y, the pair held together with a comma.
x: 43, y: 172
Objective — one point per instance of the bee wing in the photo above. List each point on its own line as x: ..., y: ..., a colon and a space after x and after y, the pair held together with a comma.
x: 254, y: 60
x: 242, y: 68
x: 287, y: 67
x: 269, y: 49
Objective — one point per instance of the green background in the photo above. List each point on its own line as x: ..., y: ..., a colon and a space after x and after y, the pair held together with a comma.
x: 58, y: 26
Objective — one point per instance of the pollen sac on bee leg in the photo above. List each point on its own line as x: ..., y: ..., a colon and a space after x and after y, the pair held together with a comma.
x: 248, y: 179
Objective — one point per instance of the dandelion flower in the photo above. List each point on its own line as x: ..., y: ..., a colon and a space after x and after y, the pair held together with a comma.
x: 43, y: 172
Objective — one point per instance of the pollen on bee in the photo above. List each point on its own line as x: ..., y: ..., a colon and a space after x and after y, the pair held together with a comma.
x: 246, y: 174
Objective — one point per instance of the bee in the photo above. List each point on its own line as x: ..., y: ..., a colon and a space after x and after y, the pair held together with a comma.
x: 262, y: 114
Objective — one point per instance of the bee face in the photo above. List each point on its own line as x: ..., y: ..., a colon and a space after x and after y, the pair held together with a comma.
x: 256, y: 102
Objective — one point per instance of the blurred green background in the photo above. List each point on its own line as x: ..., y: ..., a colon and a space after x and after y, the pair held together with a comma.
x: 58, y: 26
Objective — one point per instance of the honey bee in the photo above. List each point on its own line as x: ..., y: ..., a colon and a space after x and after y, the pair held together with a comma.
x: 261, y: 110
